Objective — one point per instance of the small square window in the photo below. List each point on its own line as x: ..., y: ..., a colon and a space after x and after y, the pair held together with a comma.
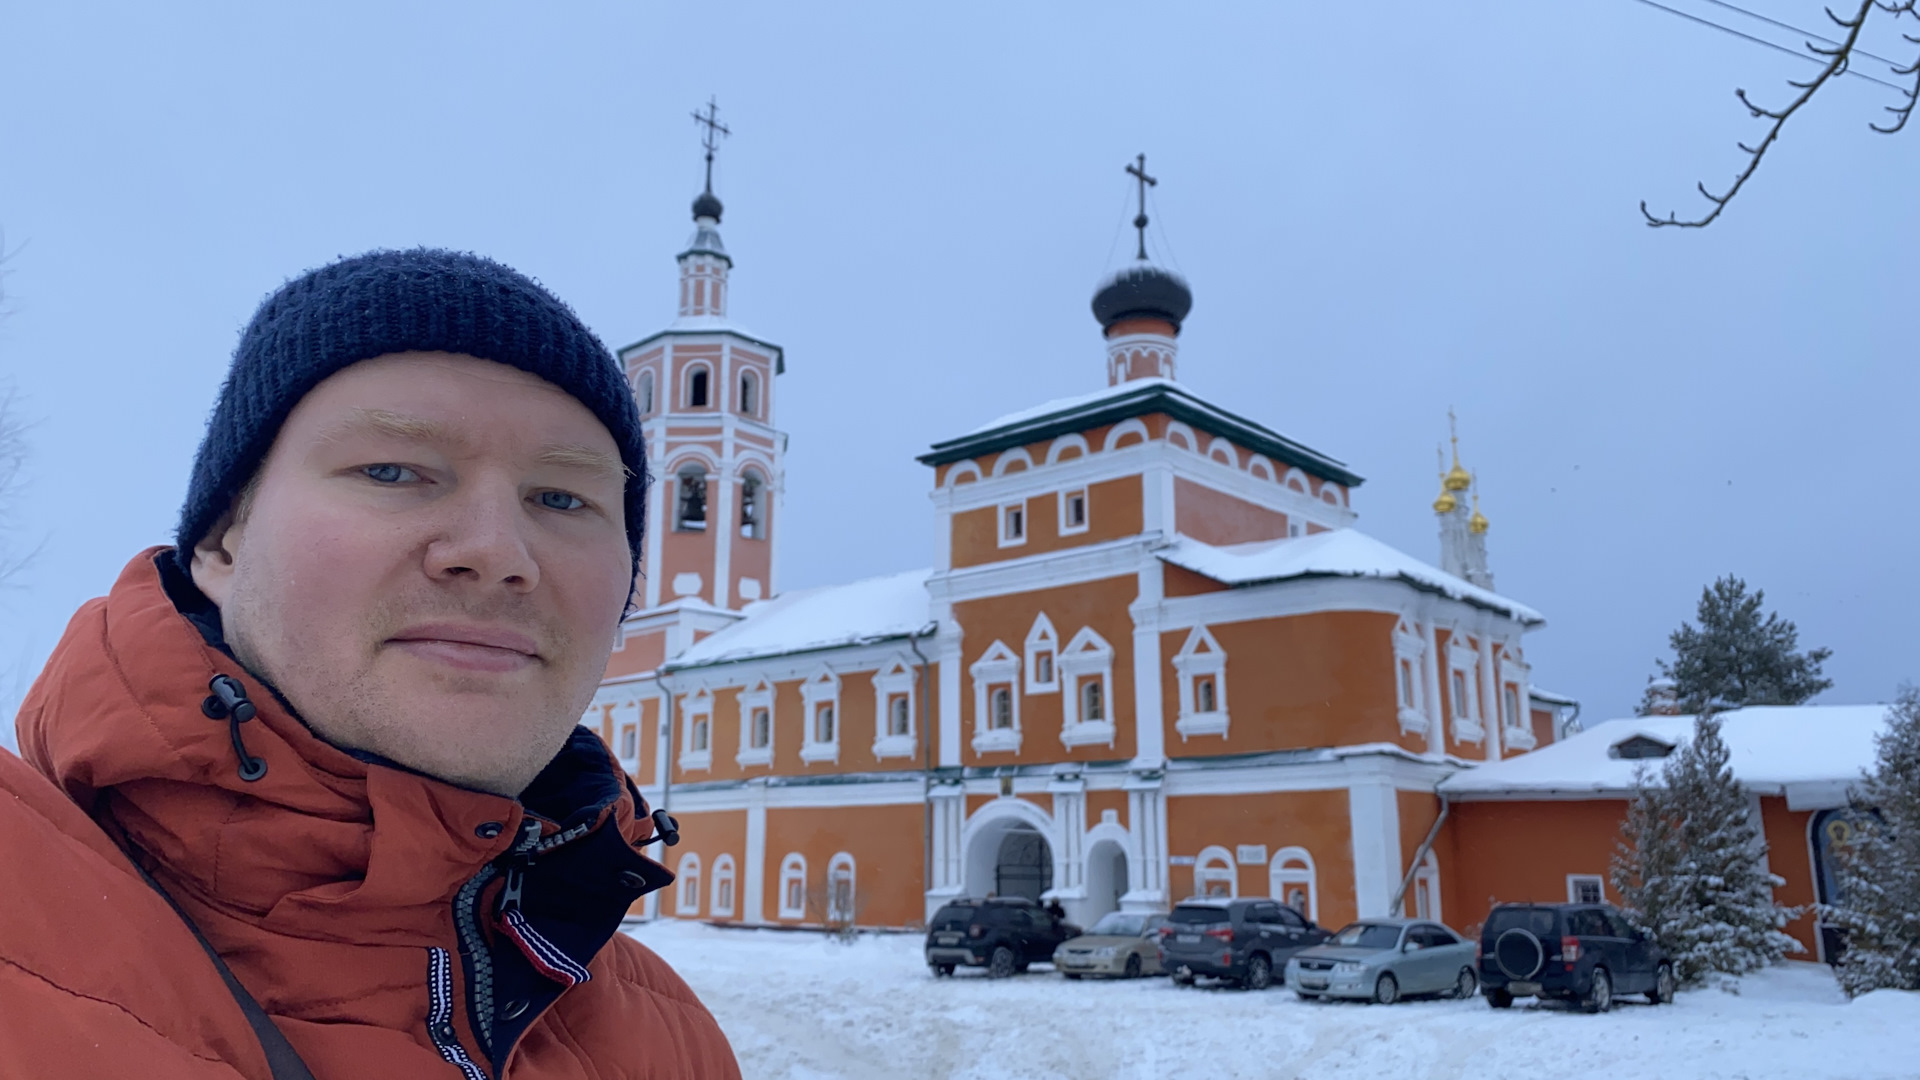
x: 1043, y: 668
x: 1586, y: 889
x: 1013, y: 524
x: 1073, y: 511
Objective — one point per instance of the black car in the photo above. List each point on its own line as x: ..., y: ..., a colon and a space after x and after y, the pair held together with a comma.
x: 1239, y: 941
x: 1587, y: 953
x: 1002, y: 934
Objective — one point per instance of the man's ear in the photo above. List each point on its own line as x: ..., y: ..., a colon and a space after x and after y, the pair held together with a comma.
x: 213, y: 559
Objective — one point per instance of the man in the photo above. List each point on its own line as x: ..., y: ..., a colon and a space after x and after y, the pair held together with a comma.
x: 333, y: 730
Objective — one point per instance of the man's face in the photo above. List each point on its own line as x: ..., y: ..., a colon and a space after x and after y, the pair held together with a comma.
x: 431, y: 565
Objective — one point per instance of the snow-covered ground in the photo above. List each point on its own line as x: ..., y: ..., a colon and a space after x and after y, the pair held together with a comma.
x: 800, y: 1007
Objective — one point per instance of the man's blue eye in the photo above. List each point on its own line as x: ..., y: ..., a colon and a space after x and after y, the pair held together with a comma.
x: 389, y: 474
x: 560, y: 500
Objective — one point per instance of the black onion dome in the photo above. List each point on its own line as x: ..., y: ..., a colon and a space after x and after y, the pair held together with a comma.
x: 1142, y: 291
x: 707, y: 205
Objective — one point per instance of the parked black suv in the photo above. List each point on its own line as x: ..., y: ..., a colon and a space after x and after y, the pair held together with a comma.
x: 1577, y: 952
x: 1002, y: 934
x: 1241, y: 941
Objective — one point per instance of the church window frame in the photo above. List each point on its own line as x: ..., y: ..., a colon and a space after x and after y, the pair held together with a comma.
x: 690, y: 501
x: 793, y: 886
x: 756, y: 721
x: 699, y: 387
x: 894, y: 699
x: 997, y: 669
x: 842, y: 895
x: 1214, y: 866
x: 1013, y: 527
x: 696, y: 731
x: 686, y: 895
x: 1075, y: 517
x: 1292, y: 869
x: 820, y: 695
x: 750, y: 394
x: 1201, y: 661
x: 1087, y: 659
x: 630, y: 746
x: 1463, y: 690
x: 1409, y: 667
x: 1514, y: 678
x: 1042, y: 653
x: 724, y: 886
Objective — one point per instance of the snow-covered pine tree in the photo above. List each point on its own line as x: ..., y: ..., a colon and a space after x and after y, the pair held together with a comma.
x: 1689, y: 865
x: 1739, y: 655
x: 1878, y: 870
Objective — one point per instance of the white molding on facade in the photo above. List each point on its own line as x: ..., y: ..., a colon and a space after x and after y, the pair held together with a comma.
x: 1294, y: 865
x: 947, y: 672
x: 1042, y: 638
x: 793, y: 865
x: 1373, y: 816
x: 1003, y: 522
x: 760, y: 696
x: 1087, y: 657
x: 1073, y: 440
x: 1072, y: 566
x: 997, y: 666
x: 1463, y: 681
x: 754, y: 898
x: 1409, y: 677
x: 823, y: 688
x: 723, y: 905
x: 897, y: 678
x: 1205, y: 870
x: 1201, y: 656
x: 695, y: 710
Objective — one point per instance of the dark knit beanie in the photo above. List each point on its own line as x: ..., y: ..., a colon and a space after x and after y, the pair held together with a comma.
x: 383, y: 302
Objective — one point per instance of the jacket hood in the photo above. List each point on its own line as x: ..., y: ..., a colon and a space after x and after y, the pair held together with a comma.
x: 325, y: 844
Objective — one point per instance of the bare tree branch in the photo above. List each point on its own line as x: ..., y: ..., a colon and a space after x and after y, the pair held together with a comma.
x: 1838, y: 58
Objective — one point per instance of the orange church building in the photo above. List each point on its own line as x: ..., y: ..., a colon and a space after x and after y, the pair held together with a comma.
x: 1153, y: 656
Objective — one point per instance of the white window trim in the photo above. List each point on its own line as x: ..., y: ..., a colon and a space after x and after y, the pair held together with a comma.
x: 997, y: 666
x: 1410, y: 648
x: 1087, y: 656
x: 896, y: 678
x: 1086, y: 512
x: 723, y: 870
x: 1203, y: 864
x: 688, y: 874
x: 823, y: 688
x: 1281, y: 873
x: 1042, y: 638
x: 698, y: 705
x: 760, y: 697
x: 1574, y: 881
x: 1518, y: 732
x: 843, y: 861
x: 1189, y: 664
x: 794, y: 865
x: 1468, y: 725
x: 1000, y: 523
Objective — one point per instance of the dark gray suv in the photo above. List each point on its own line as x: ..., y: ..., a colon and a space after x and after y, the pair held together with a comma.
x: 1239, y: 941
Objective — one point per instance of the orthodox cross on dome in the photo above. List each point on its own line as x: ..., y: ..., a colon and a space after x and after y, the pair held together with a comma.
x: 709, y: 118
x: 1139, y: 172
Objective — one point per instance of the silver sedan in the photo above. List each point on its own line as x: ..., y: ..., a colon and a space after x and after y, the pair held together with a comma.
x: 1384, y: 960
x: 1120, y: 944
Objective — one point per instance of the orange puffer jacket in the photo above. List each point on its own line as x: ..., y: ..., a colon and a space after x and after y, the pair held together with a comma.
x: 392, y: 925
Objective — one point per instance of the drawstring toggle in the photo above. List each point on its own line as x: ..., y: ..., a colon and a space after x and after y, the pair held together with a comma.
x: 229, y: 702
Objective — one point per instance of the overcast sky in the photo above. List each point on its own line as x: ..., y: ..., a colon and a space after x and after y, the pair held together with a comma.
x: 1384, y: 211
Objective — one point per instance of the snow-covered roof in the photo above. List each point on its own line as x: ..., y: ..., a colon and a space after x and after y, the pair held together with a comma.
x: 1335, y: 553
x: 1551, y: 697
x: 806, y: 620
x: 712, y: 324
x: 1069, y: 404
x: 1809, y: 753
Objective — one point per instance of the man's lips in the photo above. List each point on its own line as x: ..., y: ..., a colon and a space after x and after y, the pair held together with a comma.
x: 470, y: 648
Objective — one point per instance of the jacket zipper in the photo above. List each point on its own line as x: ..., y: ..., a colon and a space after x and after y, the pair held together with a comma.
x: 440, y: 1014
x: 473, y: 943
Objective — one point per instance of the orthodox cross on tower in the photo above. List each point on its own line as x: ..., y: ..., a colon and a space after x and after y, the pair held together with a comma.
x: 1139, y: 172
x: 708, y: 118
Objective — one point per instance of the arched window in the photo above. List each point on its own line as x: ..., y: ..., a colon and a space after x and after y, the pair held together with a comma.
x: 761, y: 735
x: 823, y: 723
x: 1426, y: 889
x: 1203, y: 694
x: 723, y: 886
x: 840, y: 894
x: 1290, y: 877
x: 1002, y: 708
x: 701, y: 733
x: 898, y: 722
x: 691, y: 506
x: 643, y: 393
x: 1213, y: 874
x: 749, y: 394
x: 1093, y: 708
x: 697, y: 388
x: 752, y: 510
x: 793, y: 886
x: 686, y: 900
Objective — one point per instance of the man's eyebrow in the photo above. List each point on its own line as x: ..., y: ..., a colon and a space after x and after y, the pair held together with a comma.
x: 390, y: 424
x: 584, y: 458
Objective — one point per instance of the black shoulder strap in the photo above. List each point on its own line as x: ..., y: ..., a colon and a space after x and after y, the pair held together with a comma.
x: 281, y: 1058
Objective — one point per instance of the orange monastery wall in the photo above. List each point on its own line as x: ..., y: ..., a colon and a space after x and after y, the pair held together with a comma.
x: 1523, y: 851
x: 1214, y: 517
x: 1304, y: 681
x: 1315, y: 820
x: 1418, y: 810
x: 642, y: 651
x: 709, y: 835
x: 1099, y: 802
x: 886, y: 845
x: 1113, y: 513
x: 1101, y: 605
x: 1789, y: 856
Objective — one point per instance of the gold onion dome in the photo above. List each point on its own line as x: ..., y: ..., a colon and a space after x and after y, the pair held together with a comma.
x: 1457, y: 478
x: 1477, y: 524
x: 1446, y: 503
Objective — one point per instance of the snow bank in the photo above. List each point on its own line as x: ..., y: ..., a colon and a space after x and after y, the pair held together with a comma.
x: 799, y: 1007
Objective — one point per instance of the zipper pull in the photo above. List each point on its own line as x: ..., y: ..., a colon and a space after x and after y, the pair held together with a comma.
x: 510, y: 895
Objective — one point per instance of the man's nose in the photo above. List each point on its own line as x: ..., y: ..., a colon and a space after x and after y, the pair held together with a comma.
x: 484, y: 538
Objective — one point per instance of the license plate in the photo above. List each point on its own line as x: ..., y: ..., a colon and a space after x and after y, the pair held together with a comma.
x: 1313, y: 984
x: 949, y: 939
x: 1187, y: 939
x: 1523, y: 988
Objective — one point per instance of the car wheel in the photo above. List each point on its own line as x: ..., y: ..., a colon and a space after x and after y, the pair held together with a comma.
x: 1499, y: 999
x: 1465, y: 984
x: 941, y: 971
x: 1133, y: 966
x: 1001, y: 964
x: 1662, y: 992
x: 1386, y: 990
x: 1074, y: 975
x: 1020, y: 968
x: 1600, y: 995
x: 1259, y: 972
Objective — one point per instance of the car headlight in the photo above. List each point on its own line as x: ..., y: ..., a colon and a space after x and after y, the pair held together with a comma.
x: 1106, y: 953
x: 1349, y: 967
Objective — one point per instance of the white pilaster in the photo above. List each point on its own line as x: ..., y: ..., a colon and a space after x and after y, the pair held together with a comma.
x: 1373, y: 815
x: 1149, y: 726
x: 948, y: 672
x: 756, y: 855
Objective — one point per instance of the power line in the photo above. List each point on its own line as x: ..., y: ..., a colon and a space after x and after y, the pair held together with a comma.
x: 1690, y: 17
x: 1797, y: 30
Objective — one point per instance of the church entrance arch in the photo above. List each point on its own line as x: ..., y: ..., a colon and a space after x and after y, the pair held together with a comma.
x: 1106, y: 879
x: 1007, y: 850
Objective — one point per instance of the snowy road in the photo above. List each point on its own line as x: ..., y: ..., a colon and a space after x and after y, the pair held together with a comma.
x: 799, y: 1007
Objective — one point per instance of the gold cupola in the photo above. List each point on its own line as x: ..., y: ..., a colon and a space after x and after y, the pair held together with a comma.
x: 1477, y: 524
x: 1446, y: 503
x: 1457, y: 478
